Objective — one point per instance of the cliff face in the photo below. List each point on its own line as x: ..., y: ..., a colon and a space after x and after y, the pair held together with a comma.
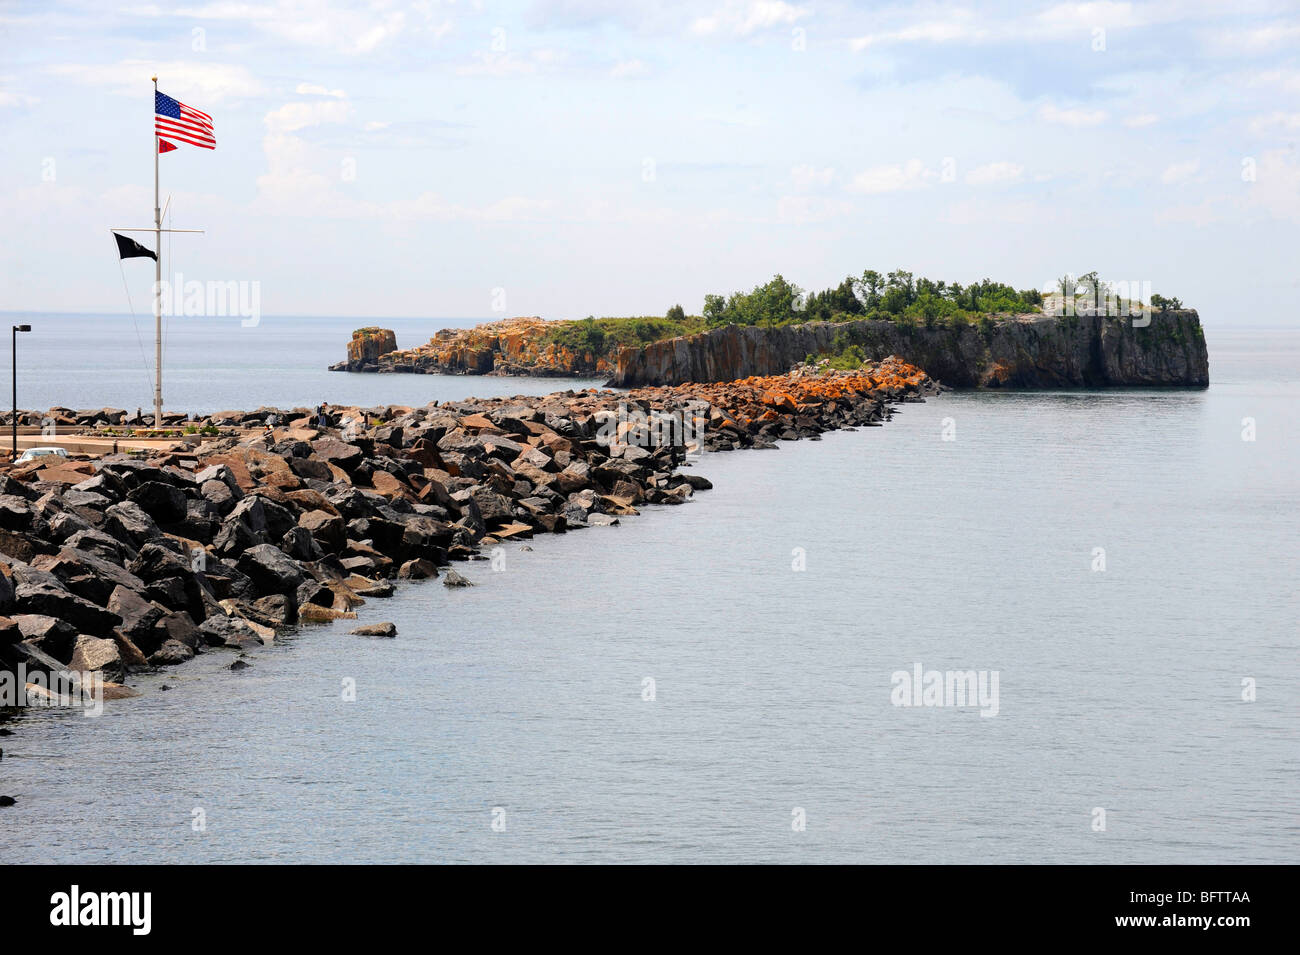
x: 513, y: 346
x: 368, y: 345
x: 1030, y: 351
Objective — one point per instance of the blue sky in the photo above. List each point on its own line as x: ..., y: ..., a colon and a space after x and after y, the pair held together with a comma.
x: 388, y: 158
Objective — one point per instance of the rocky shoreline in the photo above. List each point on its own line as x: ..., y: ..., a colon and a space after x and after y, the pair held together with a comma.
x: 1020, y: 351
x: 131, y: 562
x: 1161, y: 349
x: 512, y: 346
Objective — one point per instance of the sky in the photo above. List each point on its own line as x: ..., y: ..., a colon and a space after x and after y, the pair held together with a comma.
x: 568, y: 157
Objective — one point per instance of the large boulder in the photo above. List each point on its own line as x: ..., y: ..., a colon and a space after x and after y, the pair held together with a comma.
x: 234, y: 538
x: 300, y: 545
x: 178, y: 626
x: 16, y: 513
x: 170, y: 654
x: 163, y: 502
x: 220, y: 495
x: 251, y: 512
x: 339, y: 453
x: 52, y: 635
x: 129, y: 522
x: 156, y: 561
x: 271, y: 570
x: 328, y: 529
x: 220, y: 630
x: 89, y: 576
x: 51, y: 598
x: 95, y: 654
x: 139, y: 618
x: 493, y: 508
x: 96, y: 542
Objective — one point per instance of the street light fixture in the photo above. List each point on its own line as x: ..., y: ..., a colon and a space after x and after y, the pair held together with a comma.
x: 14, y: 419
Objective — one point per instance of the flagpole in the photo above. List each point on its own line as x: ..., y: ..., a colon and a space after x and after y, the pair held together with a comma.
x: 157, y: 284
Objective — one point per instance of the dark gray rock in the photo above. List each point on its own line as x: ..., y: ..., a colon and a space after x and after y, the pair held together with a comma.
x: 129, y: 522
x: 271, y: 571
x: 55, y: 600
x: 163, y: 502
x: 171, y: 653
x: 16, y: 513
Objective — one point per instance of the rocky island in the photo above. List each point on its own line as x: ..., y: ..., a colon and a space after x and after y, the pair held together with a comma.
x: 1085, y: 334
x: 513, y: 346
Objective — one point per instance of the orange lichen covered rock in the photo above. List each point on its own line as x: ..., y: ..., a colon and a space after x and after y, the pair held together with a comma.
x: 369, y: 344
x: 512, y: 346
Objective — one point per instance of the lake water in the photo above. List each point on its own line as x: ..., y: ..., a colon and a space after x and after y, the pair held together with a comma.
x: 216, y: 364
x: 523, y: 699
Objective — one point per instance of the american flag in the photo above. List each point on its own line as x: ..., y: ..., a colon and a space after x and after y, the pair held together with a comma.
x: 175, y: 120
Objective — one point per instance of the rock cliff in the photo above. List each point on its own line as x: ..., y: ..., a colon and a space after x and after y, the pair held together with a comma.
x: 368, y: 345
x: 1026, y: 351
x: 513, y: 346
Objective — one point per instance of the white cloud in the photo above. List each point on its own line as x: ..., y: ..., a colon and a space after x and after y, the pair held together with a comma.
x: 200, y: 84
x: 957, y: 26
x: 994, y: 173
x: 981, y: 212
x: 292, y: 117
x: 1102, y: 13
x: 1180, y: 173
x: 1287, y: 80
x: 628, y: 68
x: 744, y: 17
x: 1279, y: 120
x: 508, y: 64
x: 351, y: 28
x: 226, y: 11
x: 1262, y: 39
x: 1063, y: 21
x: 1140, y: 120
x: 811, y: 177
x: 299, y: 180
x: 803, y: 210
x: 1072, y: 117
x: 893, y: 178
x: 311, y: 89
x: 10, y: 98
x: 1277, y: 185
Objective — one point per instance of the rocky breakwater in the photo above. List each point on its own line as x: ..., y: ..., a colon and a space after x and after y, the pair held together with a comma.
x: 1026, y: 351
x: 514, y: 346
x: 118, y: 564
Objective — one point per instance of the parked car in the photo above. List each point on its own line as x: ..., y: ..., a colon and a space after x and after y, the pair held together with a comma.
x: 31, y: 454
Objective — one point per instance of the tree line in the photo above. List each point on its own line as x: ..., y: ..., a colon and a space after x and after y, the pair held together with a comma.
x: 896, y: 295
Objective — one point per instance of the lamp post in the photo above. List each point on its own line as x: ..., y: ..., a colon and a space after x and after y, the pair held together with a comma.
x: 14, y: 419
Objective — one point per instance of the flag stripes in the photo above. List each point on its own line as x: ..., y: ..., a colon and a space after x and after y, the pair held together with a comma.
x: 185, y: 124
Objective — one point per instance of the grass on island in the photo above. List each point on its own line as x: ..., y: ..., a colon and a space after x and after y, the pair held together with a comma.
x: 896, y: 296
x: 601, y: 335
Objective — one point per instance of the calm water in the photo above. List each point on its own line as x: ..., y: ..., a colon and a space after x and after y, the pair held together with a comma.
x: 215, y: 364
x: 1118, y: 689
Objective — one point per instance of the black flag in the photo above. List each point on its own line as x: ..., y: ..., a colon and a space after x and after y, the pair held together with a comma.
x: 131, y: 249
